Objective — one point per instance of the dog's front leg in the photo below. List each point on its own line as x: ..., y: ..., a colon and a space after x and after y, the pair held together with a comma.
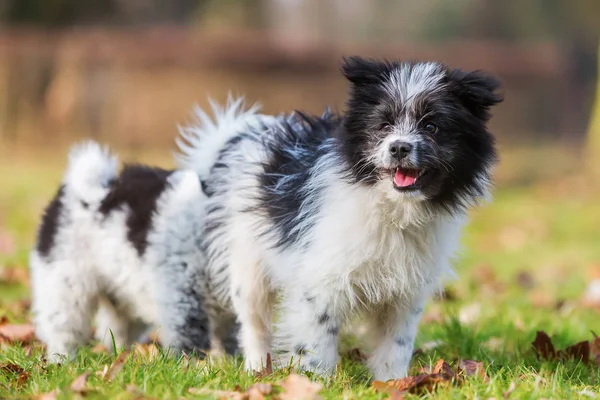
x: 253, y: 304
x: 395, y: 328
x: 308, y: 331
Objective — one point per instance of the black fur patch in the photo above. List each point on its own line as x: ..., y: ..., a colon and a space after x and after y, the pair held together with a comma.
x: 49, y: 225
x: 299, y: 143
x: 137, y: 188
x: 324, y: 318
x: 300, y: 349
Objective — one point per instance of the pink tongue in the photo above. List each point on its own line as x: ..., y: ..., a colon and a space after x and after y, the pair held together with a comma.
x: 405, y: 178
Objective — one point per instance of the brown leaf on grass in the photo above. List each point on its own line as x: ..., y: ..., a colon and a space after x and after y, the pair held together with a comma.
x: 356, y: 355
x: 79, y: 384
x: 443, y: 368
x: 298, y: 387
x: 267, y: 370
x: 473, y: 368
x: 17, y: 376
x: 595, y: 350
x: 578, y: 352
x: 116, y: 366
x: 12, y: 333
x: 545, y: 349
x: 542, y: 345
x: 148, y: 352
x: 412, y: 384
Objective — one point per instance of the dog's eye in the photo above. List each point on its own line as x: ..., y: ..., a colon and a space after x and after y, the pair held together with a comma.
x: 384, y: 126
x: 431, y: 128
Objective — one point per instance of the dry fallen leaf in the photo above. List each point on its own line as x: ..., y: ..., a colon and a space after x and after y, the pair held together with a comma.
x: 578, y: 352
x: 149, y: 352
x: 473, y: 368
x: 298, y: 387
x: 545, y: 349
x: 116, y: 366
x: 16, y: 375
x: 412, y: 384
x: 595, y: 350
x: 11, y: 333
x: 267, y: 370
x: 542, y: 345
x: 79, y: 384
x: 444, y: 369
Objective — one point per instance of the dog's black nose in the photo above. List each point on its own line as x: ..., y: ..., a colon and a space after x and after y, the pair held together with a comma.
x: 400, y: 150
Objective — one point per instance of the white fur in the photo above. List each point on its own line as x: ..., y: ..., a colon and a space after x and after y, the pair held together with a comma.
x: 94, y: 270
x: 201, y: 141
x: 372, y: 251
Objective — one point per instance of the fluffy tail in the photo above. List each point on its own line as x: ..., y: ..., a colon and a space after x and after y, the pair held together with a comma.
x: 89, y: 172
x: 201, y: 142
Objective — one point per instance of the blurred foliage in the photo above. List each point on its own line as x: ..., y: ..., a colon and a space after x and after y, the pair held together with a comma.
x: 59, y: 13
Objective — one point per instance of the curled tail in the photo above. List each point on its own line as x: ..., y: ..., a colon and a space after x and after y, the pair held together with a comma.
x: 90, y: 170
x: 201, y: 142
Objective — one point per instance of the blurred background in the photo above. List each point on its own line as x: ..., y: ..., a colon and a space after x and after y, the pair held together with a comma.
x: 127, y: 72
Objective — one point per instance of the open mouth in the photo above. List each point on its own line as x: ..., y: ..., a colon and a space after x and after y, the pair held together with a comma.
x: 405, y: 178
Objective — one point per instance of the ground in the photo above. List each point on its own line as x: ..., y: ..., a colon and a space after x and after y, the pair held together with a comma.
x: 527, y: 260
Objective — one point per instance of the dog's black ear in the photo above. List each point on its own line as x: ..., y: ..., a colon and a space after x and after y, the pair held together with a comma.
x: 361, y: 71
x: 477, y: 91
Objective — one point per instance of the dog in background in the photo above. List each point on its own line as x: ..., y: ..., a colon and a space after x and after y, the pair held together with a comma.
x: 124, y: 248
x: 356, y: 214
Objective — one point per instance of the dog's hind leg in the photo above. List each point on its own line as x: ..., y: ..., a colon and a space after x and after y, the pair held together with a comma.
x: 64, y: 301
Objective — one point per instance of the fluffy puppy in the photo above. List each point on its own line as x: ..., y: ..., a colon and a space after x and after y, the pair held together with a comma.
x: 123, y: 247
x: 344, y: 215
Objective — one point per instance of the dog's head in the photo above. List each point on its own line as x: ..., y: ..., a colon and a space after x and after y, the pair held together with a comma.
x: 419, y: 128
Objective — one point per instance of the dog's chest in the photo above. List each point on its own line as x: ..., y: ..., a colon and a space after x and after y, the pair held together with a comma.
x: 393, y: 263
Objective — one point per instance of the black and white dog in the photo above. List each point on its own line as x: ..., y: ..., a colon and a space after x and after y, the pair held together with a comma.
x: 124, y: 248
x: 343, y: 215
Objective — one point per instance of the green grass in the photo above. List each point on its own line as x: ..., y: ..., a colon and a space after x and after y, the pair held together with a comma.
x: 548, y: 229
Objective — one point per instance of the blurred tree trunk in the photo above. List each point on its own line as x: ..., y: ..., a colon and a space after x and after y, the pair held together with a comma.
x: 593, y: 145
